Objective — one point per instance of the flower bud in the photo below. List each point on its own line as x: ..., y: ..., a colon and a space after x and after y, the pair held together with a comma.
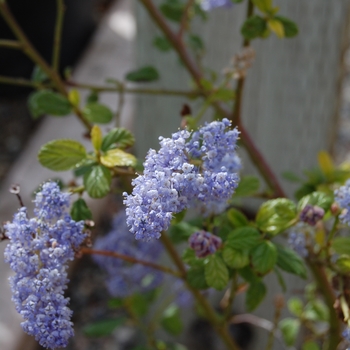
x: 204, y: 243
x: 311, y: 214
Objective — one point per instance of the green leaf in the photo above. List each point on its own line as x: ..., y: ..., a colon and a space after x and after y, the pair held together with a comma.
x: 84, y: 166
x: 276, y: 215
x: 144, y: 74
x: 118, y: 138
x: 235, y: 258
x: 182, y: 231
x: 343, y: 263
x: 237, y: 218
x: 290, y: 176
x: 254, y: 27
x: 138, y: 304
x: 60, y: 155
x: 172, y: 10
x: 48, y: 102
x: 320, y: 199
x: 290, y: 261
x: 196, y: 277
x: 290, y: 330
x: 295, y: 306
x: 255, y: 295
x: 80, y: 210
x: 263, y: 5
x: 97, y: 113
x: 216, y: 273
x: 247, y: 186
x: 196, y: 43
x: 117, y: 157
x: 96, y: 137
x: 310, y: 345
x: 276, y: 26
x: 102, y: 328
x: 223, y: 95
x: 92, y: 97
x: 74, y: 97
x: 320, y: 309
x: 38, y: 75
x: 162, y: 43
x: 341, y: 245
x: 243, y: 238
x: 290, y: 28
x: 97, y: 181
x: 264, y: 257
x: 304, y: 190
x: 171, y: 320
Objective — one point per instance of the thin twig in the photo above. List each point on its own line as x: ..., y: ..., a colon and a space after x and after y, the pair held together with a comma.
x: 10, y: 44
x: 185, y: 18
x: 58, y: 35
x: 129, y: 259
x: 19, y: 82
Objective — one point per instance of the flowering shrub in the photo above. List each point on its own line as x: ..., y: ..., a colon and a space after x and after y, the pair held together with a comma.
x: 183, y: 231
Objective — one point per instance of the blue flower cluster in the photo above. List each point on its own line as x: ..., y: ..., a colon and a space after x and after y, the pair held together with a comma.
x: 346, y: 334
x: 189, y: 168
x: 38, y: 252
x: 342, y: 196
x: 204, y: 243
x: 297, y: 241
x: 125, y: 279
x: 208, y: 5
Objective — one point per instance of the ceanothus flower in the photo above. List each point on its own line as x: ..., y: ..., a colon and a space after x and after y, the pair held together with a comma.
x: 124, y: 279
x: 204, y: 243
x: 189, y: 169
x: 342, y: 196
x: 208, y: 5
x: 38, y: 252
x: 297, y: 241
x: 346, y: 334
x: 311, y: 214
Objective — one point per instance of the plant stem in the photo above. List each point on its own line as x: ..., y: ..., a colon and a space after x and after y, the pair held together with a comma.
x: 185, y: 18
x: 328, y: 294
x: 129, y: 259
x: 255, y: 155
x: 11, y: 44
x: 213, y: 318
x: 231, y: 298
x: 58, y: 35
x: 100, y: 88
x: 19, y: 82
x: 237, y: 107
x: 33, y: 54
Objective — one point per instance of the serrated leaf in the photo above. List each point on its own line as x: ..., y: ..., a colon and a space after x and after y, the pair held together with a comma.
x: 48, y: 102
x: 276, y: 215
x: 264, y: 257
x: 247, y: 186
x: 97, y: 181
x: 102, y: 328
x: 60, y: 155
x: 162, y: 43
x: 117, y: 157
x: 96, y: 112
x: 290, y: 261
x: 96, y: 137
x: 295, y: 306
x: 320, y: 199
x: 243, y: 238
x: 117, y: 138
x: 255, y: 295
x: 172, y: 10
x: 171, y: 320
x: 254, y: 27
x: 216, y: 273
x: 80, y: 210
x: 84, y: 166
x: 74, y: 97
x: 237, y: 218
x: 276, y: 26
x: 196, y: 277
x: 341, y: 245
x: 144, y: 74
x: 290, y: 330
x: 236, y: 259
x: 290, y: 28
